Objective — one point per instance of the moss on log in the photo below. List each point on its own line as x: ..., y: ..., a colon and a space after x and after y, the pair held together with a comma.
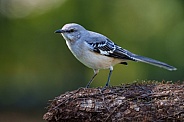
x: 130, y: 102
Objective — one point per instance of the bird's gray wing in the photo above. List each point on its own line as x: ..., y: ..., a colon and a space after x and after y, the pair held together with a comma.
x: 105, y: 46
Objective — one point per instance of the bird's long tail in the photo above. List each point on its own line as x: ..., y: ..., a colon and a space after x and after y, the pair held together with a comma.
x: 153, y: 62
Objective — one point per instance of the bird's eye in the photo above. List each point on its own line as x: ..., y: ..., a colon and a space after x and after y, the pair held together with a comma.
x: 72, y: 30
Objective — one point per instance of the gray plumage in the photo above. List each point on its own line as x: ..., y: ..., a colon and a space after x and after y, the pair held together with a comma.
x: 96, y: 51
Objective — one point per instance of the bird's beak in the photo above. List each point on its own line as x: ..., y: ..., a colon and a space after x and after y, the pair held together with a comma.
x: 59, y: 31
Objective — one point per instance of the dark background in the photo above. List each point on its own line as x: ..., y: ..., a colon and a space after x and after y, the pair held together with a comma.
x: 36, y: 65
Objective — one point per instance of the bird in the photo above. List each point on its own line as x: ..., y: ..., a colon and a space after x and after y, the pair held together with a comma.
x: 97, y: 51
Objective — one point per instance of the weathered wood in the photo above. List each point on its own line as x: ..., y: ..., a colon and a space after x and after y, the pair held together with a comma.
x: 136, y: 102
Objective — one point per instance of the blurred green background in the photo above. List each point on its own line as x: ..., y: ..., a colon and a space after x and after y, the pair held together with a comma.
x: 36, y: 65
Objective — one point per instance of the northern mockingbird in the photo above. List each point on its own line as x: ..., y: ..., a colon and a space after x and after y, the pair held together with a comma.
x: 96, y: 51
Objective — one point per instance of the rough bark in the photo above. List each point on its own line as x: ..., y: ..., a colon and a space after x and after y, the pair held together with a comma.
x: 130, y: 102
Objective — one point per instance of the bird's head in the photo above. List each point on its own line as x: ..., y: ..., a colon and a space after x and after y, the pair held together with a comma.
x: 71, y: 32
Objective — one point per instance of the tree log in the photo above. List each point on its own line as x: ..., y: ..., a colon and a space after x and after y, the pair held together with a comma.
x: 147, y: 101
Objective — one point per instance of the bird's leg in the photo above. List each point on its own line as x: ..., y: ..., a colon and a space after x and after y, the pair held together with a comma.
x: 95, y: 73
x: 109, y: 77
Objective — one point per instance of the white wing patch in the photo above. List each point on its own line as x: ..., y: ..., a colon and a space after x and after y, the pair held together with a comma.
x: 105, y: 52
